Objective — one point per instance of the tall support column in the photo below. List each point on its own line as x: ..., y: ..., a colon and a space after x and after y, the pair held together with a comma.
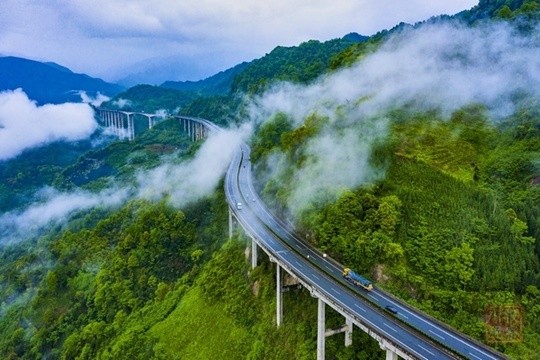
x: 321, y: 330
x: 130, y: 127
x: 253, y: 254
x: 348, y: 332
x: 230, y: 223
x: 279, y: 294
x: 117, y: 124
x: 390, y: 355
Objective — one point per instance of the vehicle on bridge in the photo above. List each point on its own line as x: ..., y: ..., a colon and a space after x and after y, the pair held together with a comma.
x: 357, y: 279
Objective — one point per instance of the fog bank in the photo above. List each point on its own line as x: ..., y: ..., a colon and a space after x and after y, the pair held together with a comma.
x: 24, y: 125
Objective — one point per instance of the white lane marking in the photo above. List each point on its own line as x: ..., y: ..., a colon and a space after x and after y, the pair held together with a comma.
x: 361, y: 308
x: 373, y: 297
x: 442, y: 337
x: 475, y: 355
x: 421, y: 347
x: 316, y: 277
x: 298, y: 246
x: 328, y: 267
x: 334, y: 290
x: 388, y: 326
x: 472, y: 346
x: 298, y: 264
x: 403, y: 316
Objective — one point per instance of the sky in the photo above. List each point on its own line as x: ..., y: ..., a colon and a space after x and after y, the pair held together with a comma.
x: 150, y: 41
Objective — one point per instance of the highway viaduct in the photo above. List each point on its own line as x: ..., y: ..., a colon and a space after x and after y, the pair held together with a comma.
x: 409, y: 334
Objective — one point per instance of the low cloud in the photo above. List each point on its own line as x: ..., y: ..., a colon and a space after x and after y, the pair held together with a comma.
x: 122, y: 103
x: 180, y: 183
x: 24, y: 125
x: 54, y: 208
x: 444, y: 67
x: 93, y: 100
x: 196, y: 178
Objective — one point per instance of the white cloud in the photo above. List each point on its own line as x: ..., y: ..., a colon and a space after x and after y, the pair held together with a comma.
x: 96, y: 101
x: 443, y: 66
x: 54, y: 208
x: 122, y: 103
x: 181, y: 183
x: 25, y: 125
x: 196, y: 178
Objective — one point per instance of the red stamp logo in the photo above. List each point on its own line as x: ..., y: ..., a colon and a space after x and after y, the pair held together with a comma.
x: 503, y: 324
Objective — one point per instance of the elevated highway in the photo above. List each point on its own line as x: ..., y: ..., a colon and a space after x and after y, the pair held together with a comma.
x: 409, y: 333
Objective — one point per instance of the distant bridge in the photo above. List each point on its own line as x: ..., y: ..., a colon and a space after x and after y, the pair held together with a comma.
x: 127, y: 124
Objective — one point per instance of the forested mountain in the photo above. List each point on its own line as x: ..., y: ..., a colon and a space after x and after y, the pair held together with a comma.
x: 434, y: 198
x: 217, y: 97
x: 506, y: 9
x: 218, y: 84
x: 49, y: 82
x: 149, y: 98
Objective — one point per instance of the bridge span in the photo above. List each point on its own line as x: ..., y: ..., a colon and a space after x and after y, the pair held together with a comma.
x: 127, y: 124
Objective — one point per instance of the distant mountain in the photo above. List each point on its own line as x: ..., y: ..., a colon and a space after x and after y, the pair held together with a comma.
x: 355, y: 37
x: 218, y: 84
x: 150, y: 98
x: 49, y: 82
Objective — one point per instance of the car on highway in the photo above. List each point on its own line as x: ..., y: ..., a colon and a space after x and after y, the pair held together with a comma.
x: 391, y: 309
x: 239, y: 206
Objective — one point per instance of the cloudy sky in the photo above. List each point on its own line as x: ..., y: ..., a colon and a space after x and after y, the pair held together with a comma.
x: 157, y: 40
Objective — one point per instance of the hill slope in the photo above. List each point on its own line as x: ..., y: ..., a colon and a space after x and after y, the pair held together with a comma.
x: 49, y: 82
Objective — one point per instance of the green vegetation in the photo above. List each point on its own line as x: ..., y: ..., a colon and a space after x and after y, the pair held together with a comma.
x: 148, y: 98
x: 299, y: 64
x: 503, y: 9
x: 453, y: 227
x: 123, y: 159
x: 22, y: 176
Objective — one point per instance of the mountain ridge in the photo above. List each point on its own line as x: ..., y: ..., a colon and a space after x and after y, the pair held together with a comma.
x: 48, y: 82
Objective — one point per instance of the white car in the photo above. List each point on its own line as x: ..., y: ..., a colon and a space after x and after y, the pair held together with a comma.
x: 239, y: 206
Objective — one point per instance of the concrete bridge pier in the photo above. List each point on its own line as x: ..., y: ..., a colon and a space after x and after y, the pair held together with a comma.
x: 253, y: 253
x: 130, y: 127
x: 230, y: 223
x: 348, y: 332
x: 150, y: 121
x: 321, y: 330
x: 119, y: 124
x: 279, y: 293
x: 390, y: 355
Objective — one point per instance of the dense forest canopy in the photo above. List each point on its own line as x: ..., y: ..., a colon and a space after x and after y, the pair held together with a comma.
x: 433, y: 192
